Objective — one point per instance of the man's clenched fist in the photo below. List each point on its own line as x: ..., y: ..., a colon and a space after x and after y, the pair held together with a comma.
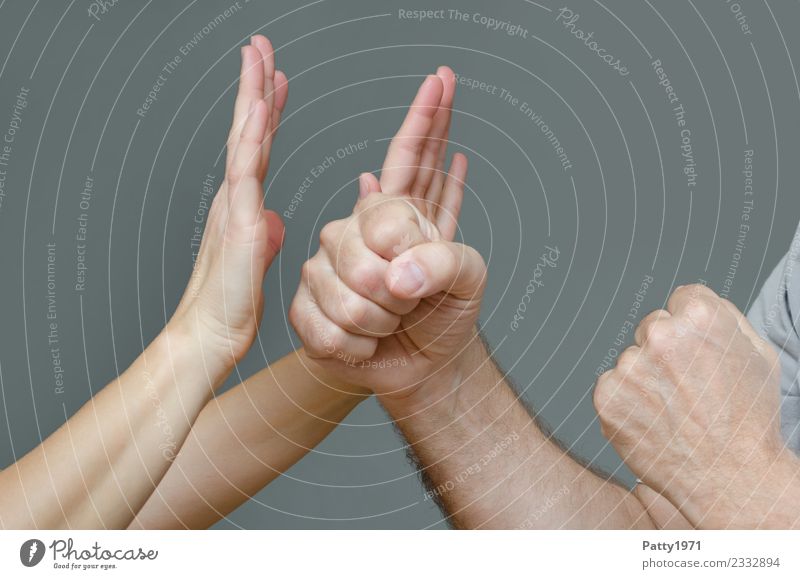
x: 390, y: 300
x: 387, y: 301
x: 693, y: 409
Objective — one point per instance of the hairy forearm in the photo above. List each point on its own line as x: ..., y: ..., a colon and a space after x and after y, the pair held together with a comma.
x: 490, y: 466
x: 759, y: 493
x: 776, y: 497
x: 243, y: 440
x: 98, y: 469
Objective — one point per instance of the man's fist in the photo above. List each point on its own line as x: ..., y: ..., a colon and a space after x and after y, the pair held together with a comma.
x: 387, y: 302
x: 693, y: 407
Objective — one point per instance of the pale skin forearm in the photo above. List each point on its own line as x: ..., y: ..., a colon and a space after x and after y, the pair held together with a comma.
x: 98, y: 469
x: 243, y: 440
x: 492, y: 467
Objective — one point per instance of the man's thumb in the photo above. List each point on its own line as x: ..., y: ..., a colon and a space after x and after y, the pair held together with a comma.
x: 438, y: 266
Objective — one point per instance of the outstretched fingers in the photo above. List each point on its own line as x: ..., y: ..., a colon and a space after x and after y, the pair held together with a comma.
x: 402, y: 158
x: 248, y: 221
x: 258, y: 80
x: 430, y: 178
x: 281, y: 95
x: 448, y: 207
x: 269, y: 94
x: 243, y: 177
x: 251, y: 89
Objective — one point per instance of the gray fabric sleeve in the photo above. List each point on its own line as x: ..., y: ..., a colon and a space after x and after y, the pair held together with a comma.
x: 774, y: 315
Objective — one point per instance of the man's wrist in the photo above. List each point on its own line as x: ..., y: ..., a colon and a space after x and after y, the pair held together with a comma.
x: 762, y: 497
x: 443, y: 390
x: 775, y: 502
x: 328, y: 378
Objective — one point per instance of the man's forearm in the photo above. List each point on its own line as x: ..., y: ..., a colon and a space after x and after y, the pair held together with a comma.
x: 761, y: 494
x: 243, y: 440
x: 490, y: 466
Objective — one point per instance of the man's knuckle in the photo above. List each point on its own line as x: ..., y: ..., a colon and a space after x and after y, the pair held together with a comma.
x: 308, y: 271
x: 388, y: 222
x: 702, y: 312
x: 355, y: 312
x: 366, y: 278
x: 694, y: 291
x: 329, y: 234
x: 603, y: 392
x: 658, y: 336
x: 295, y: 316
x: 388, y: 234
x: 626, y: 363
x: 370, y: 346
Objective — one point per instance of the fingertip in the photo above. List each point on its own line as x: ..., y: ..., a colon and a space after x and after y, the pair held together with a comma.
x: 367, y: 183
x: 248, y: 54
x: 249, y: 76
x: 374, y: 183
x: 281, y: 89
x: 261, y: 42
x: 430, y: 92
x: 448, y: 86
x: 266, y: 54
x: 363, y: 190
x: 446, y: 74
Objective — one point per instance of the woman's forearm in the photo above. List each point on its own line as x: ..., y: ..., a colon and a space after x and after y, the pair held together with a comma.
x: 243, y: 440
x: 98, y: 469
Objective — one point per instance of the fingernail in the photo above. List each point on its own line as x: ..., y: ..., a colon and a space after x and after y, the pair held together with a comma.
x: 407, y: 278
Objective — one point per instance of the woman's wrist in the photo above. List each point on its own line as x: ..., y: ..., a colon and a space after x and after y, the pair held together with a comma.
x: 193, y: 354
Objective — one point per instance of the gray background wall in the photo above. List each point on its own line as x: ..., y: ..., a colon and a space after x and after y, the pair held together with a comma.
x: 624, y: 210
